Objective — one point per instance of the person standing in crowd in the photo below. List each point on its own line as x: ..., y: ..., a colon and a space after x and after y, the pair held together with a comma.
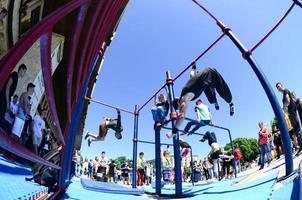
x: 77, y: 159
x: 111, y: 171
x: 38, y: 128
x: 277, y: 137
x: 90, y: 169
x: 237, y: 158
x: 103, y: 164
x: 141, y: 163
x: 23, y: 111
x: 10, y: 114
x: 9, y: 89
x: 125, y: 173
x: 290, y: 106
x: 263, y: 145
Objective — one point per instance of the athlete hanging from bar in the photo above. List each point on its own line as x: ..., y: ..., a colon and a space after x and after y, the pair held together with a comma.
x: 209, y: 80
x: 107, y: 123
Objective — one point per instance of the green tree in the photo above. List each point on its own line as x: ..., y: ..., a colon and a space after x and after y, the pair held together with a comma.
x: 248, y: 146
x: 120, y: 160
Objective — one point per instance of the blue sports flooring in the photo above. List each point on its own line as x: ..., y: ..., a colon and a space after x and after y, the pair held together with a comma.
x: 109, y: 187
x: 13, y: 186
x: 77, y: 192
x: 12, y: 181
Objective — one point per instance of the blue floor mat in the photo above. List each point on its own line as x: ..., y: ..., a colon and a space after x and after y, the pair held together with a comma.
x: 289, y: 191
x: 77, y: 192
x: 12, y: 181
x: 109, y: 187
x: 258, y: 189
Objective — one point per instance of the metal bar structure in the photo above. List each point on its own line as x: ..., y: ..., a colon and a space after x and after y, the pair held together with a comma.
x: 108, y: 105
x: 176, y: 146
x: 157, y: 162
x: 192, y: 167
x: 188, y: 67
x: 135, y: 135
x: 72, y: 55
x: 148, y: 142
x: 67, y: 156
x: 247, y: 55
x: 182, y: 131
x: 9, y: 144
x: 273, y: 29
x: 230, y: 137
x: 45, y: 51
x: 41, y: 31
x: 87, y: 42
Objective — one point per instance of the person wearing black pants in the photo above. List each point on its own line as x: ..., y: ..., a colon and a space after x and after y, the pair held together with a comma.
x: 209, y: 80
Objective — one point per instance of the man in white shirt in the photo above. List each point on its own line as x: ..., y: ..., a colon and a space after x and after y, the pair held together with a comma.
x: 103, y: 163
x: 38, y: 127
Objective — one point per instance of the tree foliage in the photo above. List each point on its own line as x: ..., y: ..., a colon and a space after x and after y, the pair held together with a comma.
x: 248, y: 146
x: 120, y: 160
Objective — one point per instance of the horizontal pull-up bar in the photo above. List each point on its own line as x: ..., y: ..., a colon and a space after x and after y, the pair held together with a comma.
x: 147, y: 142
x: 184, y: 133
x: 212, y: 125
x: 108, y: 105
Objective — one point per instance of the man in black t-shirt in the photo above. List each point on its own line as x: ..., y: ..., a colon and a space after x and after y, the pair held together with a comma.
x: 9, y: 89
x: 209, y: 80
x: 291, y: 107
x: 114, y: 124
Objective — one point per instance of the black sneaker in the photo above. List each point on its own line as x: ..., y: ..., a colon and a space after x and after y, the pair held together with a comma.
x: 87, y: 135
x: 216, y: 106
x: 232, y: 109
x: 89, y: 142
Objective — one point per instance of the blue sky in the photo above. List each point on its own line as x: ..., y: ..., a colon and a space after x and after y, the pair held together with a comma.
x: 155, y: 36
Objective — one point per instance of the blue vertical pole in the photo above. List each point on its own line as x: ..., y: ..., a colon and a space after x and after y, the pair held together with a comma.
x: 286, y: 142
x: 157, y: 161
x: 176, y: 146
x: 135, y: 135
x: 233, y: 152
x: 70, y: 140
x: 192, y: 167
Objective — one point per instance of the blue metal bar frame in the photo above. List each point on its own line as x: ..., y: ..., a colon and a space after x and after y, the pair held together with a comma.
x: 230, y: 137
x: 147, y: 142
x: 176, y: 146
x: 135, y: 135
x: 192, y: 166
x: 286, y: 141
x: 168, y: 128
x: 70, y: 140
x: 157, y: 162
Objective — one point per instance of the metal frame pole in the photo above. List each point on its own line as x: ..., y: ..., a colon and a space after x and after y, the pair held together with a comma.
x: 286, y: 141
x: 157, y: 162
x: 192, y: 167
x: 176, y: 146
x: 135, y: 135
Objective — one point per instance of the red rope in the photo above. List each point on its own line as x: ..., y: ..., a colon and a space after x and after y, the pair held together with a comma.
x: 152, y: 97
x: 108, y: 105
x: 183, y: 71
x: 198, y: 57
x: 208, y: 12
x: 273, y: 29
